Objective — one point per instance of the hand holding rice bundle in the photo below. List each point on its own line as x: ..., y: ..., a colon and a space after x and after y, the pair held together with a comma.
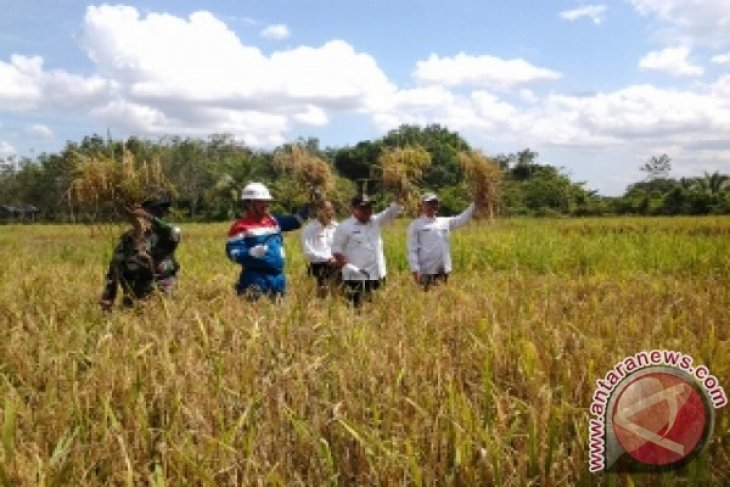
x: 105, y: 185
x: 402, y: 170
x: 483, y: 177
x: 313, y: 173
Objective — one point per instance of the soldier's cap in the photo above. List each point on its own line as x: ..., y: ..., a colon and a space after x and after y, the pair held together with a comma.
x: 156, y: 204
x: 362, y: 200
x: 429, y: 197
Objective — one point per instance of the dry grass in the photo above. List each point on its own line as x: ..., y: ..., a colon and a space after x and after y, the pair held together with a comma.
x: 484, y: 382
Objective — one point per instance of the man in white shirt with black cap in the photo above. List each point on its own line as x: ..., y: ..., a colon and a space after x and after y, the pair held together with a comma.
x: 358, y: 248
x: 317, y: 239
x: 427, y: 239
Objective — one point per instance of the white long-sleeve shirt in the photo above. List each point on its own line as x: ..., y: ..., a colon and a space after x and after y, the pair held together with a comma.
x: 317, y: 241
x: 362, y: 245
x: 429, y: 251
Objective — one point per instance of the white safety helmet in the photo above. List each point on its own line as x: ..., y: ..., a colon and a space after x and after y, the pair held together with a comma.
x: 257, y: 192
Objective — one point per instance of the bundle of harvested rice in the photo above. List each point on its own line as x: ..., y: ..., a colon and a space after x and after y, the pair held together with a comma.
x: 402, y: 170
x: 483, y: 177
x: 104, y: 186
x: 313, y: 173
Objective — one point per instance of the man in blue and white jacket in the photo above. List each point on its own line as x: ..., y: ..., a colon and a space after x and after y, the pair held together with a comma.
x: 255, y: 241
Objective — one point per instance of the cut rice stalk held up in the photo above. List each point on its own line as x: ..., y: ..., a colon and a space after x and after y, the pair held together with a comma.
x: 105, y: 187
x: 483, y: 177
x: 402, y: 170
x: 314, y: 173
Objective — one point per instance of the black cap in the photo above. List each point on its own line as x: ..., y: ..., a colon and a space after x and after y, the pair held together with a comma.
x: 151, y: 204
x: 362, y: 200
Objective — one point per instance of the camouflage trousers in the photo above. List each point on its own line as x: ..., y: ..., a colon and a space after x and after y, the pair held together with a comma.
x: 142, y: 289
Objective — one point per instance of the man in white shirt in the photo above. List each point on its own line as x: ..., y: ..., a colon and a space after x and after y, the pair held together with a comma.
x: 358, y: 248
x: 429, y: 253
x: 317, y: 239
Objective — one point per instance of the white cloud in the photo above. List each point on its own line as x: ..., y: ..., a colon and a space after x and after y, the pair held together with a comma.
x: 6, y: 150
x: 636, y: 121
x: 172, y: 70
x: 645, y: 112
x: 276, y: 32
x: 40, y: 131
x: 721, y: 58
x: 618, y: 129
x: 528, y: 96
x: 485, y: 70
x: 24, y: 86
x: 704, y: 22
x: 672, y: 60
x: 312, y: 116
x: 593, y: 12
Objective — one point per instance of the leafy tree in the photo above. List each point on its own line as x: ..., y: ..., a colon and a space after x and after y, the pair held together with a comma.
x: 657, y: 167
x: 443, y: 145
x: 541, y: 189
x: 358, y: 163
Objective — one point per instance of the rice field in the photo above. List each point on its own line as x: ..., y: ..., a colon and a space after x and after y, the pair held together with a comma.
x: 486, y: 381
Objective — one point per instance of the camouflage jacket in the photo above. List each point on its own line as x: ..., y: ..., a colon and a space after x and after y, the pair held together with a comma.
x: 136, y: 265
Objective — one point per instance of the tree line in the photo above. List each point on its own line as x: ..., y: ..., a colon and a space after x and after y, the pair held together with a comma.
x: 208, y: 173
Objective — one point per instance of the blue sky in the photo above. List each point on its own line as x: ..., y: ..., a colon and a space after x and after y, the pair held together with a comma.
x: 594, y: 87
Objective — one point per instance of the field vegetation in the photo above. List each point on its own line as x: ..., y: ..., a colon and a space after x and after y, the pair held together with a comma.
x: 486, y: 381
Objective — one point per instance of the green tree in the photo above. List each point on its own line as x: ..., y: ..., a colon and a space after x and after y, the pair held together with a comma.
x: 657, y: 167
x: 443, y: 146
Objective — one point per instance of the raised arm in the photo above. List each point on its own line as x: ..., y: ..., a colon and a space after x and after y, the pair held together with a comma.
x: 287, y: 223
x: 462, y: 218
x: 388, y: 215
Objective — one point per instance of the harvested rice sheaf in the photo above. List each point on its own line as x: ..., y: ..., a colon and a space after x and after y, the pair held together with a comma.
x: 314, y: 173
x: 103, y: 183
x: 402, y: 170
x: 483, y: 177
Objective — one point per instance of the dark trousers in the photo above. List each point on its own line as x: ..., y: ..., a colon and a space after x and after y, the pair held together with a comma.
x: 325, y: 274
x: 357, y: 291
x: 142, y: 288
x: 430, y: 280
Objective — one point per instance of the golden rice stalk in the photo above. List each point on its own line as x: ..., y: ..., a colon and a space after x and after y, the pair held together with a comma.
x: 313, y: 173
x: 101, y: 182
x: 402, y: 170
x: 483, y: 177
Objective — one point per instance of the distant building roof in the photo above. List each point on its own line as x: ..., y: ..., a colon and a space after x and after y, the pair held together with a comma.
x: 20, y: 208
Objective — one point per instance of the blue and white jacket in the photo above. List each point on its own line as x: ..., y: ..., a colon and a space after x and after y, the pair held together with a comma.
x: 265, y: 272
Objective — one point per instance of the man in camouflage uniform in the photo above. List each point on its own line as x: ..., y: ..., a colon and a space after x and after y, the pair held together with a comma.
x: 144, y: 256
